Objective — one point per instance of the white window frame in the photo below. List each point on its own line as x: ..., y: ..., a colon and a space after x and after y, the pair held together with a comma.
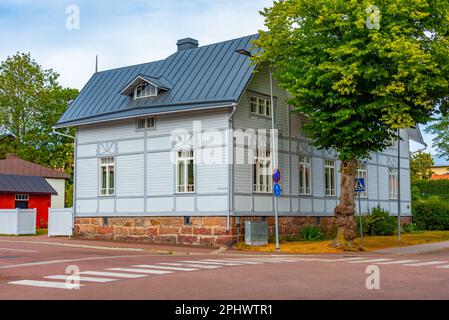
x: 146, y: 123
x: 145, y: 90
x: 184, y: 159
x: 330, y: 177
x: 262, y: 172
x: 362, y: 172
x: 305, y: 175
x: 393, y: 183
x: 260, y: 106
x: 107, y: 166
x: 22, y: 197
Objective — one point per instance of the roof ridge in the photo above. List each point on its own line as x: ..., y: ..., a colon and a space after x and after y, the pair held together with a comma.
x: 177, y: 52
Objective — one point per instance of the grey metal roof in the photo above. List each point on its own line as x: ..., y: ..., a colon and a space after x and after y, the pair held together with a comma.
x: 25, y: 184
x: 213, y: 74
x: 415, y: 135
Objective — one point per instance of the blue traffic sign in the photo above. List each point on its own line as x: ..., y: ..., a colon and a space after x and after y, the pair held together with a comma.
x: 277, y: 176
x: 277, y: 190
x: 359, y: 184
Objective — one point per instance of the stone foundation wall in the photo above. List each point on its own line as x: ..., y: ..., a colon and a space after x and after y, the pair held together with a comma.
x: 209, y: 231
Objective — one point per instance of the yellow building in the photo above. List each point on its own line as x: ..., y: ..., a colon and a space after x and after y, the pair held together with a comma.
x: 440, y: 169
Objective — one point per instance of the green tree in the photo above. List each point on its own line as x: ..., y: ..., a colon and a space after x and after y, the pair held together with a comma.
x: 421, y: 166
x: 31, y: 102
x: 359, y: 72
x: 440, y: 128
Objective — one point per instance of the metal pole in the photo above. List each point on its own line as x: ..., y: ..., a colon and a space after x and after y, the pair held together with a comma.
x: 274, y: 150
x: 399, y: 185
x: 361, y: 221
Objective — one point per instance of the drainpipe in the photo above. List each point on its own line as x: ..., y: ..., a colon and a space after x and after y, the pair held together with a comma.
x: 231, y: 167
x: 75, y: 142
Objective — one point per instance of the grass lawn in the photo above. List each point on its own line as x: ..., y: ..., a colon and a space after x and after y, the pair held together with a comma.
x: 370, y: 243
x: 39, y: 232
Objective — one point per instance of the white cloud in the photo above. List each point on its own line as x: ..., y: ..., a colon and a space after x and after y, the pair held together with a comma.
x: 123, y: 33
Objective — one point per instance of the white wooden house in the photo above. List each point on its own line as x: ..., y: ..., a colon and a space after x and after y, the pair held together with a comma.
x: 140, y: 177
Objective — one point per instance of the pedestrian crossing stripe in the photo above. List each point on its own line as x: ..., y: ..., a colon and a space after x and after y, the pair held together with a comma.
x: 81, y: 278
x: 113, y: 274
x: 136, y: 270
x: 164, y: 267
x: 47, y: 284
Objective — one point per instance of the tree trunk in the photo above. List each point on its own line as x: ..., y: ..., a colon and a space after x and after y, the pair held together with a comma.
x: 344, y: 212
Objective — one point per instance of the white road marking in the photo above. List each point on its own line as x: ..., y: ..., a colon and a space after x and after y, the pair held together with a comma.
x: 113, y: 274
x: 45, y: 284
x: 370, y: 261
x: 193, y: 265
x: 443, y: 267
x: 430, y: 263
x: 267, y: 260
x: 81, y: 278
x: 164, y: 267
x: 214, y: 263
x: 141, y: 270
x: 349, y: 259
x: 241, y: 261
x: 40, y: 263
x: 398, y: 262
x: 18, y: 250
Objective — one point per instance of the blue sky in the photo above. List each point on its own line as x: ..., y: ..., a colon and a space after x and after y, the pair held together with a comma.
x: 120, y: 32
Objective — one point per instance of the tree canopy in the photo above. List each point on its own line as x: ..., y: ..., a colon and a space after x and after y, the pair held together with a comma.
x: 440, y: 128
x: 421, y: 166
x: 359, y: 71
x: 31, y: 102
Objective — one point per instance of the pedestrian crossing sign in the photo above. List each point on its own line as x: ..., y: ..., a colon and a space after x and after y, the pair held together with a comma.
x: 359, y: 184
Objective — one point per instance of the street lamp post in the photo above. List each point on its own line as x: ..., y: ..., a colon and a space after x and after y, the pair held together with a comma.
x: 273, y: 146
x: 399, y: 185
x: 274, y: 159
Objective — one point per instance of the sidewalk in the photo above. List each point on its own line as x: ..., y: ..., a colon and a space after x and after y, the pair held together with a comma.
x: 416, y: 249
x: 109, y: 245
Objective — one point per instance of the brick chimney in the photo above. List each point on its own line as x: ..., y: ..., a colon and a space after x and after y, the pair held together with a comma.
x: 187, y: 44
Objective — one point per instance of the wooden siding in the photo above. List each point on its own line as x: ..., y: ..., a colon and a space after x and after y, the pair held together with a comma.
x: 294, y: 144
x: 145, y: 172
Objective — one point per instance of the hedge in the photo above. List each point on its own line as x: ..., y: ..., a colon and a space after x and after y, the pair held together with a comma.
x: 430, y: 188
x: 431, y: 214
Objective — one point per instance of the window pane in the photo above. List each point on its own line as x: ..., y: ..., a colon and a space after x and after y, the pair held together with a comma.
x: 181, y: 176
x: 191, y: 172
x: 111, y: 180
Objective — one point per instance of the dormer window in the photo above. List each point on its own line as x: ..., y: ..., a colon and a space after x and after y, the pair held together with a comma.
x: 143, y: 86
x: 145, y: 90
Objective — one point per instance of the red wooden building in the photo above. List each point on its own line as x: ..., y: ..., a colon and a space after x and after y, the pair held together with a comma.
x: 25, y: 185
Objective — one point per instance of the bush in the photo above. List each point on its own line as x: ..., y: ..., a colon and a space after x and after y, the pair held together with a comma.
x: 430, y: 188
x: 410, y: 228
x: 416, y: 193
x: 431, y: 214
x: 311, y: 233
x: 378, y: 223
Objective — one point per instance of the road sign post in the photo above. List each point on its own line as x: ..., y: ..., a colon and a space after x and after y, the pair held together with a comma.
x: 359, y: 188
x: 277, y: 191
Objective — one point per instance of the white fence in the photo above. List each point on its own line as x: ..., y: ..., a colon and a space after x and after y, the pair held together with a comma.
x: 17, y: 221
x: 60, y: 222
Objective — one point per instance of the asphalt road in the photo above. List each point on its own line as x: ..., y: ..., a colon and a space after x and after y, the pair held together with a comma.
x: 38, y: 271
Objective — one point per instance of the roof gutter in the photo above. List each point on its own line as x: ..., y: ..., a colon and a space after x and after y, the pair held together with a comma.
x: 75, y: 156
x: 231, y: 167
x: 140, y: 115
x: 62, y: 134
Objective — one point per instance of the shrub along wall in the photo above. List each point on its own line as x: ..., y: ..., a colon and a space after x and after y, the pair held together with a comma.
x: 431, y: 214
x: 430, y: 188
x: 430, y: 204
